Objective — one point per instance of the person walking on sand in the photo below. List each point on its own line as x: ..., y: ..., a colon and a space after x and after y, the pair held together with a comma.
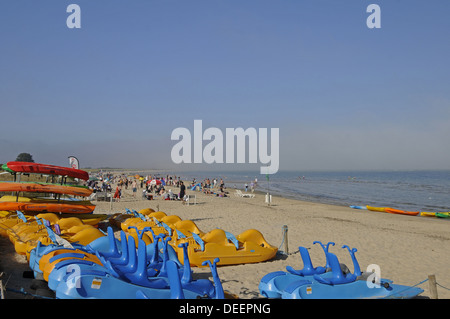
x: 182, y: 190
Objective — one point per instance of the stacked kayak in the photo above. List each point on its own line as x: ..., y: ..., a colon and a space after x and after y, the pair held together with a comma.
x: 247, y: 247
x: 41, y: 203
x: 46, y: 188
x: 50, y: 207
x: 332, y: 281
x: 37, y: 168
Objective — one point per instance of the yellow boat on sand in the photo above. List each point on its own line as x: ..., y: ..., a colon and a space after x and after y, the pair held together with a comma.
x: 248, y: 247
x: 376, y: 209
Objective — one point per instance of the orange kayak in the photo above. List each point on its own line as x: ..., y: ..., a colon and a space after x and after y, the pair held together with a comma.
x: 44, y: 188
x: 47, y: 207
x: 398, y: 211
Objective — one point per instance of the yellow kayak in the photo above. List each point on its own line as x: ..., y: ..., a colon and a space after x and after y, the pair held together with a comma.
x: 428, y: 214
x: 376, y: 209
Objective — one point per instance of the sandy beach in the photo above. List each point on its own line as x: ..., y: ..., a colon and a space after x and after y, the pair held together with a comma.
x: 407, y: 248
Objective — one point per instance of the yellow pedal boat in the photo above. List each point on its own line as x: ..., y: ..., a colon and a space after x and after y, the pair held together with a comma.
x: 248, y: 247
x: 26, y: 235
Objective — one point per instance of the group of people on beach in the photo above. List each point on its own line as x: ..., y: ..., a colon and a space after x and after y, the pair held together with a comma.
x: 152, y: 186
x: 155, y: 186
x: 210, y: 187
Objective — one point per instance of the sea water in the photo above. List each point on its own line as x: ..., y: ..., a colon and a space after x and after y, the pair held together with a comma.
x: 407, y: 190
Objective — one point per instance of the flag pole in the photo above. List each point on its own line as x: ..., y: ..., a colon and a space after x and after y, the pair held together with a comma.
x: 268, y: 197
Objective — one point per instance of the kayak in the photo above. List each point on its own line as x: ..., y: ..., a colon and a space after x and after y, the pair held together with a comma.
x: 47, y: 207
x: 402, y: 212
x: 28, y: 167
x: 23, y: 199
x: 443, y: 215
x: 428, y: 214
x: 376, y: 209
x: 44, y: 188
x: 5, y: 168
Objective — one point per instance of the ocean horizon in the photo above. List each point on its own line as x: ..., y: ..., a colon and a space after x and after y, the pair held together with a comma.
x: 413, y: 190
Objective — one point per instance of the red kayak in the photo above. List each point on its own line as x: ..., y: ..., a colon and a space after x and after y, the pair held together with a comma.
x: 28, y: 167
x: 47, y: 207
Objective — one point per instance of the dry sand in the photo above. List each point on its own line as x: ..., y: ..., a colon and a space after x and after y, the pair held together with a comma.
x: 406, y: 248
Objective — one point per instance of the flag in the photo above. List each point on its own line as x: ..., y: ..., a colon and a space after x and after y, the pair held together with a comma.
x: 73, y: 162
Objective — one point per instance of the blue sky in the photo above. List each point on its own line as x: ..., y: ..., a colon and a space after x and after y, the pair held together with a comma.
x: 343, y: 96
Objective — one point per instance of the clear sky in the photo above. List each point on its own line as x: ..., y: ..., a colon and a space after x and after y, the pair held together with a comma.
x: 342, y: 95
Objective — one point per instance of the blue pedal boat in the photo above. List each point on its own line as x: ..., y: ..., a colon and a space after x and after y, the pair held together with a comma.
x: 132, y: 281
x: 116, y: 260
x: 346, y: 286
x: 331, y: 281
x: 102, y: 244
x: 273, y: 284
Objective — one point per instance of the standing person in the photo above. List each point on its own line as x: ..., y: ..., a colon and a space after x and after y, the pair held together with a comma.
x: 246, y: 187
x: 118, y: 193
x: 134, y: 186
x: 182, y: 190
